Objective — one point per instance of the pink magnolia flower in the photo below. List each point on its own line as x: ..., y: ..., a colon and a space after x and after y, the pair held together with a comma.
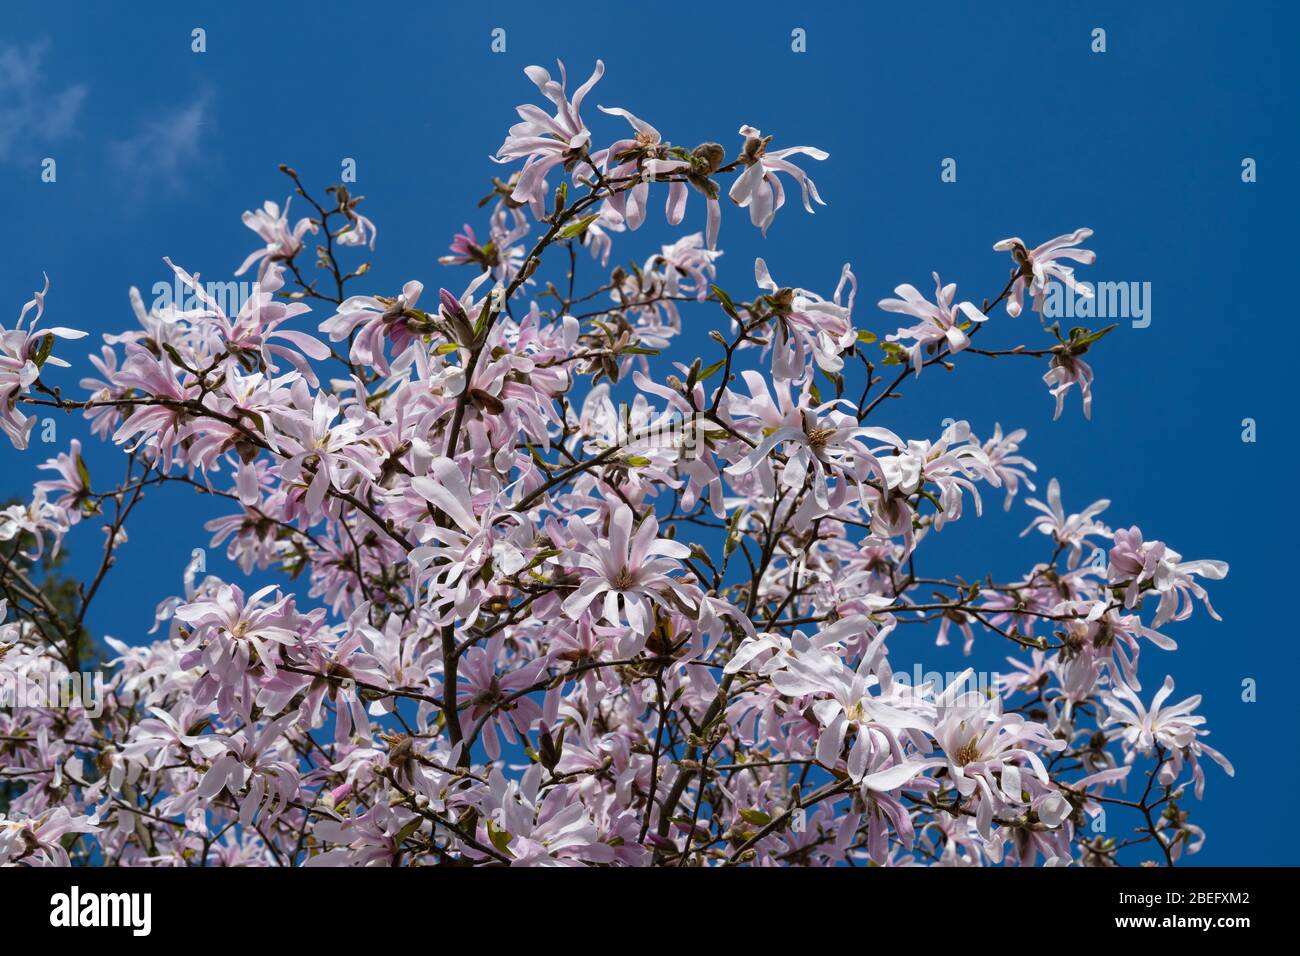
x: 166, y: 738
x: 495, y: 699
x: 72, y: 485
x: 1134, y: 563
x: 332, y: 452
x: 283, y: 241
x: 1011, y: 468
x: 1035, y: 268
x: 380, y: 321
x: 23, y: 352
x: 827, y: 443
x: 256, y: 770
x: 455, y: 556
x: 160, y: 425
x: 39, y: 841
x: 38, y: 519
x: 984, y: 751
x: 543, y: 141
x: 359, y: 231
x: 809, y: 325
x: 759, y: 189
x: 881, y: 722
x: 643, y: 156
x: 1174, y: 728
x: 257, y: 323
x: 1067, y: 370
x: 502, y: 254
x: 1072, y: 531
x: 629, y: 574
x: 230, y: 629
x: 939, y: 321
x: 539, y: 831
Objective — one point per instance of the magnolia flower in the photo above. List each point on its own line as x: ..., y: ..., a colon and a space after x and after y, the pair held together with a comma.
x: 599, y: 238
x: 230, y: 629
x: 826, y: 445
x: 360, y: 231
x: 879, y: 721
x: 1007, y: 463
x: 283, y: 242
x: 1066, y: 371
x: 759, y: 189
x: 380, y: 320
x: 315, y: 443
x: 1174, y: 728
x: 496, y: 700
x: 647, y: 152
x: 73, y: 483
x: 939, y: 321
x: 37, y: 519
x: 23, y: 352
x: 370, y: 838
x: 532, y: 830
x: 543, y: 141
x: 463, y: 550
x: 257, y: 324
x: 1035, y: 268
x: 253, y: 770
x: 808, y: 325
x: 629, y: 573
x: 949, y: 464
x: 163, y: 735
x: 1073, y: 531
x: 984, y: 751
x: 1134, y: 563
x: 40, y: 841
x: 501, y: 254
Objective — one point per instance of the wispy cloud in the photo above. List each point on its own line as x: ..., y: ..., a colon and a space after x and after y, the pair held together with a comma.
x: 165, y: 147
x: 32, y: 114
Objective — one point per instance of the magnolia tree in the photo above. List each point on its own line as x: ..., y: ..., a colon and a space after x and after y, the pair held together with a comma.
x: 532, y: 626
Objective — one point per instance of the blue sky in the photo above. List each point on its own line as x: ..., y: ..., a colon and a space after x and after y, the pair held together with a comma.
x: 160, y: 149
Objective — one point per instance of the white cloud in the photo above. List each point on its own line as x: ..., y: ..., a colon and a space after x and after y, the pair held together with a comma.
x: 32, y: 115
x: 163, y: 148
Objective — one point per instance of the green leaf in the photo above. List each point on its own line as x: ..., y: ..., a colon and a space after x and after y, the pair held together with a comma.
x: 500, y: 837
x: 711, y: 370
x: 1080, y: 339
x: 895, y: 354
x: 407, y: 831
x: 44, y: 349
x: 724, y: 300
x: 446, y: 348
x: 756, y: 817
x: 733, y: 532
x: 866, y: 337
x: 541, y: 556
x: 578, y: 228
